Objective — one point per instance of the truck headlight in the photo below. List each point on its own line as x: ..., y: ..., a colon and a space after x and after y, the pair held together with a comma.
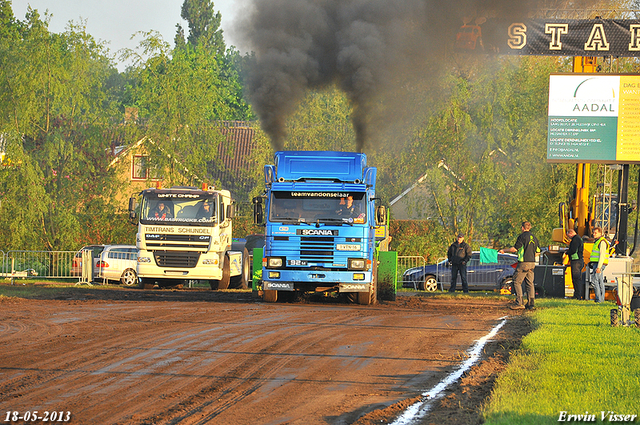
x: 274, y: 262
x: 357, y: 264
x: 210, y: 261
x: 144, y: 260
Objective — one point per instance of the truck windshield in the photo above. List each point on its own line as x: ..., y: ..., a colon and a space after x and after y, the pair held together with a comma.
x: 342, y: 207
x: 179, y: 208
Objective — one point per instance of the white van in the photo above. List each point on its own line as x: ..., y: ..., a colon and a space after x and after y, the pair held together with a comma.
x: 118, y: 262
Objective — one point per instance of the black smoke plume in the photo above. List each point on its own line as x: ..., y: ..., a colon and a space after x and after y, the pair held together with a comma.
x: 374, y: 50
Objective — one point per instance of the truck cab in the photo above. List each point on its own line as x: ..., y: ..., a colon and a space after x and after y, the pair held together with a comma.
x: 320, y: 217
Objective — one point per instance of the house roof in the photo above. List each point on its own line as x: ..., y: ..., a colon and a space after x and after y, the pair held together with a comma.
x: 235, y: 153
x: 123, y: 153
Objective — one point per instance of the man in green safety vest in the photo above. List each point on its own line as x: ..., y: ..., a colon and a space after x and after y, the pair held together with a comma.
x: 527, y: 246
x: 597, y: 262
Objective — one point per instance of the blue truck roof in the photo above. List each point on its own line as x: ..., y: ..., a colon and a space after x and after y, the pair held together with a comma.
x: 320, y: 165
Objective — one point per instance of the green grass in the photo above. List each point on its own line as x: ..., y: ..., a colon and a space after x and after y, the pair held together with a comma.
x: 29, y: 290
x: 574, y: 361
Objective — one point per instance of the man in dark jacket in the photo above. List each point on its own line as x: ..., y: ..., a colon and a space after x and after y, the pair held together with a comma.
x: 458, y: 254
x: 527, y: 246
x: 576, y: 260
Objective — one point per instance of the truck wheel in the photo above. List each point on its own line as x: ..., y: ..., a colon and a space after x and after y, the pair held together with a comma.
x: 368, y: 298
x: 129, y: 277
x: 241, y: 281
x: 226, y: 274
x: 270, y: 296
x: 146, y: 283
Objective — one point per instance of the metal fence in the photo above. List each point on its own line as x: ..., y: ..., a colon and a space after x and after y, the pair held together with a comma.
x: 405, y: 263
x: 40, y: 264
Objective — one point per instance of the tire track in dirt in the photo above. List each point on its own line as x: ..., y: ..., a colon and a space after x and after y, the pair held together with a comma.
x: 182, y: 362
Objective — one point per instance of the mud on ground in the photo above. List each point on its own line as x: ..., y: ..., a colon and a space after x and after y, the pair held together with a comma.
x: 128, y: 356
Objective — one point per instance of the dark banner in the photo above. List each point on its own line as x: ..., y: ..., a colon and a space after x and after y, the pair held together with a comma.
x: 597, y: 37
x: 555, y: 37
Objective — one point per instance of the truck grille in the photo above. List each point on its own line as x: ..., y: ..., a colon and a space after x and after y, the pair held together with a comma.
x: 317, y: 249
x: 162, y: 241
x: 180, y: 259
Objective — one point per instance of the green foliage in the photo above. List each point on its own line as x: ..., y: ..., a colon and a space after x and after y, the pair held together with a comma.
x: 204, y: 25
x: 418, y: 237
x: 55, y: 121
x: 482, y: 154
x: 322, y: 121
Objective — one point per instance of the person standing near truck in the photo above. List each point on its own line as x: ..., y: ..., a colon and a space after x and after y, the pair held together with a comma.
x: 527, y: 246
x: 597, y: 262
x: 576, y: 261
x: 458, y: 254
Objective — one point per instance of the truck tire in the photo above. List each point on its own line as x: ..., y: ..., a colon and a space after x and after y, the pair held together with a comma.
x: 242, y: 281
x: 270, y: 296
x: 226, y: 274
x: 369, y: 298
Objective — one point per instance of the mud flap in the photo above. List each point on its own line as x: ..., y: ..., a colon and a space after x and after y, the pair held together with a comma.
x: 387, y: 275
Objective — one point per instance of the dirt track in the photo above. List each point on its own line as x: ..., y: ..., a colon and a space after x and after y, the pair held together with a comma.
x: 191, y: 357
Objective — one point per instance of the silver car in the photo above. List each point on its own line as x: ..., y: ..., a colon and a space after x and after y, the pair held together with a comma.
x: 118, y: 262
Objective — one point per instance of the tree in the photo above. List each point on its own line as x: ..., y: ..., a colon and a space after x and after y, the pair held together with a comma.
x: 183, y: 95
x: 57, y: 109
x: 204, y: 26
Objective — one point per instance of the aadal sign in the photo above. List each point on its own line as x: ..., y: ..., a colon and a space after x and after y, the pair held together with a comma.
x: 594, y: 118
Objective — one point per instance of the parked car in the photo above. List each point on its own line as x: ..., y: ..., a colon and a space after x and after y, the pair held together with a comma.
x: 118, y: 262
x: 488, y: 276
x: 76, y: 266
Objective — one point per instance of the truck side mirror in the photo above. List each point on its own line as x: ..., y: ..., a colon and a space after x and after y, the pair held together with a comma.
x: 258, y: 215
x: 381, y: 215
x: 132, y: 209
x: 230, y: 211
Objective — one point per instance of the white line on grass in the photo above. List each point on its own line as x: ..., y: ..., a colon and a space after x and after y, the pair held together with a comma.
x: 417, y: 410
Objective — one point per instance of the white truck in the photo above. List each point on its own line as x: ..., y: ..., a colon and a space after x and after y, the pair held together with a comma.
x: 185, y: 234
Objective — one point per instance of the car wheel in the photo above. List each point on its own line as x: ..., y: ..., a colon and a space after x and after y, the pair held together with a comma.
x: 430, y: 284
x: 129, y: 277
x: 506, y: 287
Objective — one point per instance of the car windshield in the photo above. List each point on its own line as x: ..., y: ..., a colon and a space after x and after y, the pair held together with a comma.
x: 309, y: 207
x: 179, y: 208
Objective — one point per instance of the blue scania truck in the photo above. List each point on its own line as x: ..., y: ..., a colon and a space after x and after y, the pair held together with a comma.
x: 320, y: 218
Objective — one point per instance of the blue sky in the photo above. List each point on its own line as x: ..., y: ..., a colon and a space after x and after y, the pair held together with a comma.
x: 116, y: 20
